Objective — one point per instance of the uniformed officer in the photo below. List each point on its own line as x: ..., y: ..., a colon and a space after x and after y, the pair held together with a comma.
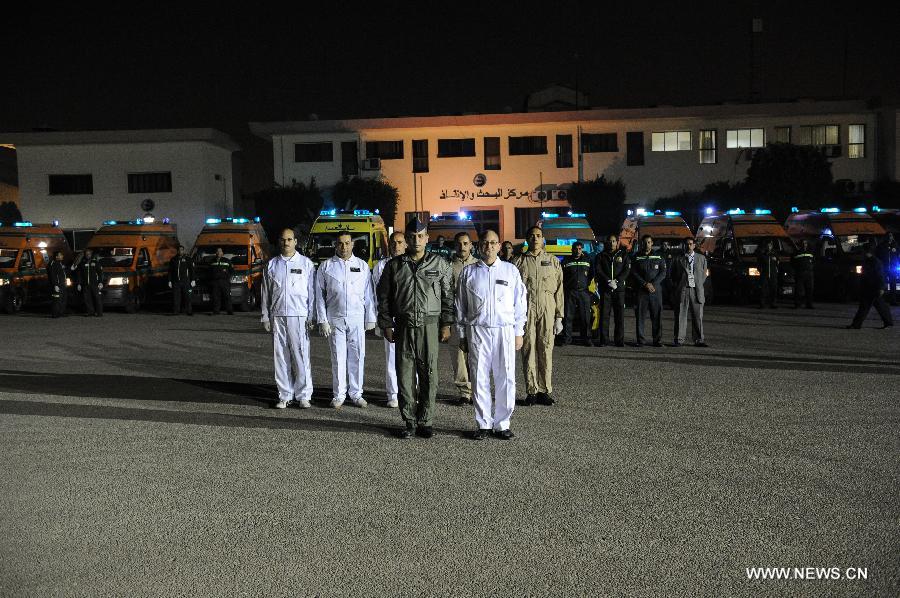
x: 542, y: 276
x: 648, y: 270
x: 220, y: 282
x: 396, y: 246
x: 56, y: 273
x: 578, y: 272
x: 871, y: 290
x: 462, y: 258
x: 491, y: 306
x: 767, y: 264
x: 441, y: 248
x: 287, y: 303
x: 506, y: 251
x: 90, y: 283
x: 611, y: 270
x: 415, y: 310
x: 804, y: 268
x: 181, y: 281
x: 345, y: 310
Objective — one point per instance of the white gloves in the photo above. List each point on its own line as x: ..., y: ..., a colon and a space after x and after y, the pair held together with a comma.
x: 55, y: 289
x: 557, y: 326
x: 99, y: 286
x: 325, y: 329
x: 170, y: 284
x: 193, y: 283
x: 267, y: 325
x: 79, y: 287
x: 370, y: 326
x: 613, y: 284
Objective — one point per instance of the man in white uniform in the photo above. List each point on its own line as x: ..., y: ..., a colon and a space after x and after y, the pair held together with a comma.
x: 491, y: 305
x: 396, y: 246
x: 287, y: 303
x: 345, y: 309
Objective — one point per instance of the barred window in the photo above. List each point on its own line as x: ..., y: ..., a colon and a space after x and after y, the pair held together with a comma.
x: 599, y: 142
x: 420, y: 155
x: 527, y: 146
x: 563, y: 151
x: 856, y: 147
x: 71, y: 184
x: 150, y: 182
x: 708, y: 146
x: 385, y: 150
x: 492, y: 153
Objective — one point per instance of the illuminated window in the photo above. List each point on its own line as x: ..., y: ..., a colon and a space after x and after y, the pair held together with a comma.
x: 492, y: 153
x: 819, y: 135
x: 313, y: 152
x: 708, y: 146
x: 527, y: 146
x: 856, y: 147
x: 150, y: 182
x: 599, y: 142
x: 671, y: 141
x: 739, y: 138
x: 385, y: 150
x: 420, y: 155
x: 564, y: 151
x: 456, y: 148
x: 782, y: 134
x: 71, y: 184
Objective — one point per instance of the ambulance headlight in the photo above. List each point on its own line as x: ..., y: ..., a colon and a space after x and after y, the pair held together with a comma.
x: 68, y: 282
x: 117, y: 281
x: 753, y: 272
x: 859, y: 269
x: 238, y: 279
x: 4, y: 281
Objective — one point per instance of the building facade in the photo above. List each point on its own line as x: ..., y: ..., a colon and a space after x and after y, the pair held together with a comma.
x: 504, y: 169
x: 83, y: 178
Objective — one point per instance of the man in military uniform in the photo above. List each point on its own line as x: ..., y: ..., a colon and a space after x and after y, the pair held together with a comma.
x: 804, y: 268
x: 462, y: 258
x: 396, y: 246
x: 871, y: 290
x: 767, y: 264
x: 56, y: 274
x: 542, y: 276
x: 415, y: 310
x: 648, y: 271
x: 221, y: 272
x: 181, y: 281
x: 577, y: 275
x: 611, y: 269
x: 90, y: 283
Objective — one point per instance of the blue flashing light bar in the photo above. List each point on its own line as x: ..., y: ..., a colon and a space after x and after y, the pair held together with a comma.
x: 110, y: 222
x: 829, y: 210
x: 672, y: 213
x: 710, y: 210
x: 630, y: 212
x: 463, y: 216
x: 860, y: 210
x: 166, y: 220
x: 578, y: 214
x: 55, y: 223
x: 794, y: 209
x: 362, y: 213
x: 735, y: 211
x: 827, y: 232
x: 762, y: 212
x: 565, y: 242
x: 22, y: 224
x: 214, y: 221
x: 331, y: 212
x: 876, y: 209
x: 256, y: 219
x: 239, y: 220
x: 138, y: 221
x: 641, y: 212
x: 549, y: 215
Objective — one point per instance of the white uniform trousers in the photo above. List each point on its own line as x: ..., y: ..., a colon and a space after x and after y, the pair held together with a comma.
x: 492, y: 354
x: 390, y: 370
x: 348, y: 355
x: 292, y: 372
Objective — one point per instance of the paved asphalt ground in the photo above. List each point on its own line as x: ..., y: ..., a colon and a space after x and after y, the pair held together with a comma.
x: 140, y: 456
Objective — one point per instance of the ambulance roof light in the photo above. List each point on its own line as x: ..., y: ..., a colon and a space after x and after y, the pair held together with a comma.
x: 549, y: 215
x: 860, y: 210
x: 463, y: 216
x: 876, y: 209
x: 55, y: 223
x: 22, y: 224
x: 239, y: 220
x: 166, y: 220
x: 331, y: 212
x: 735, y: 211
x: 709, y: 211
x: 577, y: 215
x: 213, y: 221
x: 362, y: 213
x: 829, y: 210
x: 256, y: 219
x: 641, y: 212
x: 110, y: 222
x: 759, y: 212
x: 794, y: 209
x: 630, y: 212
x: 672, y: 213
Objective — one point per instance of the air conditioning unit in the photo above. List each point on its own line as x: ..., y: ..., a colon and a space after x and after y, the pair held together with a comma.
x: 832, y: 151
x: 561, y: 194
x: 541, y: 195
x: 371, y: 164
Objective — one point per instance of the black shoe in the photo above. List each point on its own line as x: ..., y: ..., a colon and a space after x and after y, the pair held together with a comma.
x: 700, y: 344
x: 657, y: 344
x: 503, y: 434
x: 620, y: 343
x: 563, y: 343
x: 481, y: 434
x: 676, y: 344
x: 529, y: 400
x: 405, y: 433
x: 231, y: 313
x: 424, y: 432
x: 190, y: 313
x: 544, y: 399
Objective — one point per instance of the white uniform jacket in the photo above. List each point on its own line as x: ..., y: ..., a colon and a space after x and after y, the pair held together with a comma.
x: 491, y: 296
x: 344, y: 290
x: 288, y: 288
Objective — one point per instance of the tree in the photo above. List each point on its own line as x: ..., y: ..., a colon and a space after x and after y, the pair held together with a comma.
x: 602, y: 202
x: 9, y: 212
x: 366, y: 194
x: 294, y: 207
x: 783, y: 175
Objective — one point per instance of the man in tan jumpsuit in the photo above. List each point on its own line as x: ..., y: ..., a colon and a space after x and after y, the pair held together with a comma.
x: 462, y: 258
x: 542, y: 276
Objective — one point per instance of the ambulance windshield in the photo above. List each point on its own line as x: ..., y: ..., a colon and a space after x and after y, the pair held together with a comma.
x: 206, y: 254
x: 8, y: 257
x: 115, y: 256
x: 322, y: 246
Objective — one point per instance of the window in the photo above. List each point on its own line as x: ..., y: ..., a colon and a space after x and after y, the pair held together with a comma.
x: 456, y: 148
x: 420, y: 155
x: 349, y: 158
x: 386, y: 150
x: 671, y: 141
x: 27, y: 261
x: 782, y: 134
x: 313, y: 152
x: 634, y: 148
x: 564, y: 151
x: 856, y: 147
x: 599, y: 142
x: 492, y: 153
x: 527, y: 146
x: 708, y: 146
x: 71, y: 184
x: 150, y: 182
x: 819, y: 135
x: 741, y: 138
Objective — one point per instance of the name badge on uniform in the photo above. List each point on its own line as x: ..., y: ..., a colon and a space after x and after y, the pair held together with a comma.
x: 503, y: 282
x: 355, y: 270
x: 546, y: 263
x: 432, y: 273
x: 296, y: 270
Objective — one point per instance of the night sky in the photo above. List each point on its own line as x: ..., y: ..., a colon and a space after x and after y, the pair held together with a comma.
x: 69, y: 69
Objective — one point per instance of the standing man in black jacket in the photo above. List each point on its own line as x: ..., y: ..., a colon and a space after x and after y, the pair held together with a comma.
x: 220, y: 283
x: 871, y: 291
x: 577, y: 275
x: 90, y: 283
x: 56, y: 273
x: 767, y: 264
x: 181, y: 281
x: 649, y: 271
x: 804, y: 267
x: 611, y: 269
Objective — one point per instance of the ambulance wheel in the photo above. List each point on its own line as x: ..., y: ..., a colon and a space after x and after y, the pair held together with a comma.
x: 13, y: 302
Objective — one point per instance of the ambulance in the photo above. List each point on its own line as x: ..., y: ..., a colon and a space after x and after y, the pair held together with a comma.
x: 448, y: 226
x: 25, y: 253
x: 730, y: 242
x: 244, y: 243
x: 370, y: 240
x: 135, y: 258
x: 837, y: 240
x: 669, y: 231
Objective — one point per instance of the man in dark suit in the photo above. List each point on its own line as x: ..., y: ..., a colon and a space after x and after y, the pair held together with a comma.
x: 871, y: 290
x: 688, y: 276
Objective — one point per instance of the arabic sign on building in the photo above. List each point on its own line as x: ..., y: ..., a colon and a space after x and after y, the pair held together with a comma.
x: 464, y: 194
